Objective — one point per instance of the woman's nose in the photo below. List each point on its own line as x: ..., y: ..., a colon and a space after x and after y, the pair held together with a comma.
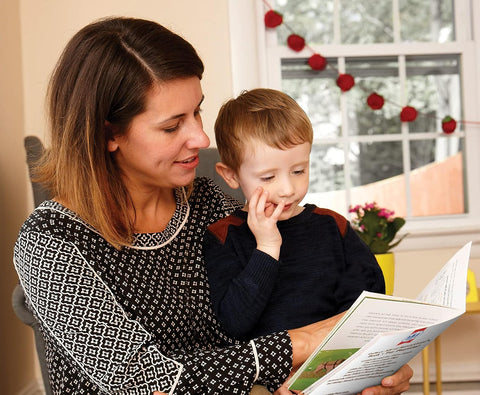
x: 198, y: 138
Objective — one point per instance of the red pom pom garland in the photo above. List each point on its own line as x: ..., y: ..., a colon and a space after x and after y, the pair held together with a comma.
x: 408, y: 114
x: 448, y: 124
x: 375, y: 101
x: 295, y: 42
x: 273, y: 19
x: 317, y: 62
x: 345, y: 81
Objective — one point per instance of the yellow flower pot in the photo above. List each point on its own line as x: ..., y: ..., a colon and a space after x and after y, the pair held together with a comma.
x: 387, y: 264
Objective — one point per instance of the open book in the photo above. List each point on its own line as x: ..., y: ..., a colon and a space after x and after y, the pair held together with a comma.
x: 380, y: 333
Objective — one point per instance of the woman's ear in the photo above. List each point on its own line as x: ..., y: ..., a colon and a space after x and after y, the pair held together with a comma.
x: 112, y: 144
x: 228, y: 174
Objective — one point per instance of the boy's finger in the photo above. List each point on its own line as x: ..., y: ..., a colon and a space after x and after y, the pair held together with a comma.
x: 278, y: 209
x: 262, y: 201
x: 253, y: 202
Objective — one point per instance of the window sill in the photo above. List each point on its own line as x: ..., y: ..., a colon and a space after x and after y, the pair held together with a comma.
x: 435, y: 238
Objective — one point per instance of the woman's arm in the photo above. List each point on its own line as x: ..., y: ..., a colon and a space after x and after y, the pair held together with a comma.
x: 79, y: 312
x: 114, y: 351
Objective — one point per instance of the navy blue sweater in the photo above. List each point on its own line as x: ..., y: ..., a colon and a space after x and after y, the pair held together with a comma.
x: 322, y: 269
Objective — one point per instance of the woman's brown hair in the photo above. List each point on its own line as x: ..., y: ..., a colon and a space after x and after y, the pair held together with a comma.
x: 103, y: 77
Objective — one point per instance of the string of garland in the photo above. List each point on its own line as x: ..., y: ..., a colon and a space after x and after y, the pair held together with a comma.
x: 346, y: 81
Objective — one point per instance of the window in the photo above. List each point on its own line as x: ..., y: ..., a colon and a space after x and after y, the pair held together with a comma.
x: 412, y: 52
x: 363, y: 155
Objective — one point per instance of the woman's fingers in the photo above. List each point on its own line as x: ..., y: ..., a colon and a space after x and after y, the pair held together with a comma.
x: 395, y: 384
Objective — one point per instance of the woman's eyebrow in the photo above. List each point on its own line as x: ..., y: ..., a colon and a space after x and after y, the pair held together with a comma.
x: 182, y: 114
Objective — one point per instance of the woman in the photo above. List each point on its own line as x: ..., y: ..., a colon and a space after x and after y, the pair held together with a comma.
x: 112, y: 267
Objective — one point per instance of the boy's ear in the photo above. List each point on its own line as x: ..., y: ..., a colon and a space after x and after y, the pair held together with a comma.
x: 228, y: 174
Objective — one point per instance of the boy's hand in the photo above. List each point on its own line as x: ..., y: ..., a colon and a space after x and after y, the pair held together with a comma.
x: 262, y: 221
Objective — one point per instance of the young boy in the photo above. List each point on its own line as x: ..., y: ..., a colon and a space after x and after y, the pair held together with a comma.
x: 276, y: 265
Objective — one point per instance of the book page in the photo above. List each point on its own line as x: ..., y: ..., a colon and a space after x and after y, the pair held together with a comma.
x: 370, y: 315
x: 374, y: 313
x: 381, y: 357
x: 382, y: 317
x: 448, y: 287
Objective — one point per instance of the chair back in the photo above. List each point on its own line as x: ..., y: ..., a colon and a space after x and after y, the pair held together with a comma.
x: 26, y: 316
x: 34, y: 150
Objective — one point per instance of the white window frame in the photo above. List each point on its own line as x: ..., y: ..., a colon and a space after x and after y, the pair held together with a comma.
x: 256, y: 63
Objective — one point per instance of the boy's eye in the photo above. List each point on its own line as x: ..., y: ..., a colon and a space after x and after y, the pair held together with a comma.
x: 266, y: 178
x: 302, y: 171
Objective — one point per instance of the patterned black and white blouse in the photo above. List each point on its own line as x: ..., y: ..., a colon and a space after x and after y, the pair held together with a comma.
x: 138, y: 319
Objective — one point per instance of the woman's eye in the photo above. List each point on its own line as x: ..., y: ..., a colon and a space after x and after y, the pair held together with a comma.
x: 302, y: 171
x: 172, y: 129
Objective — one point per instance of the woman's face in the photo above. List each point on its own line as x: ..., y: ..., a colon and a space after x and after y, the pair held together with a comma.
x: 160, y: 149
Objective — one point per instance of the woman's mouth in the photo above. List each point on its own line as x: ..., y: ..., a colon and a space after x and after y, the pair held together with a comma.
x: 189, y: 163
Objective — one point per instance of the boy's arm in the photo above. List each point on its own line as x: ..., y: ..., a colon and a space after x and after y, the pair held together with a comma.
x: 240, y: 285
x: 361, y: 271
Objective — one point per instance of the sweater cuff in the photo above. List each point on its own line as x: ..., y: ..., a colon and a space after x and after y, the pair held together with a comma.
x: 275, y: 359
x: 264, y: 268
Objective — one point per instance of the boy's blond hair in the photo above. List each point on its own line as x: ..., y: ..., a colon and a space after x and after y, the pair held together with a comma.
x: 267, y: 115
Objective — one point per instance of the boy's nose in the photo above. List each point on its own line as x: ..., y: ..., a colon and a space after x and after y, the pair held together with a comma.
x: 286, y: 188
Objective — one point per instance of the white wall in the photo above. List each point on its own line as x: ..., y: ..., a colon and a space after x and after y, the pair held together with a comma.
x: 46, y: 26
x: 16, y: 342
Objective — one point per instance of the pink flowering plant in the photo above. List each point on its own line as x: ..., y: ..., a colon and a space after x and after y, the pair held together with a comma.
x: 376, y: 226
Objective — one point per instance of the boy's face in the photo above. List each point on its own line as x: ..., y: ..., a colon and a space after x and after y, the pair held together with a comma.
x: 283, y: 173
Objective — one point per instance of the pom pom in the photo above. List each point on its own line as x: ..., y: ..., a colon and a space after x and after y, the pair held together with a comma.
x: 448, y: 124
x: 345, y: 82
x: 296, y: 42
x: 408, y: 114
x: 273, y: 19
x: 317, y: 62
x: 375, y: 101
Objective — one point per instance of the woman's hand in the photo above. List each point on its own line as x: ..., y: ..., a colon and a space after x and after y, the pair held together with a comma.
x: 392, y: 385
x: 307, y: 338
x: 159, y: 393
x: 283, y: 390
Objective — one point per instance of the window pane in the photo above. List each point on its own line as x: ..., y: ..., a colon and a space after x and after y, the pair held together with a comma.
x: 430, y: 21
x: 378, y: 75
x: 437, y: 179
x: 327, y: 178
x: 433, y: 84
x: 312, y: 19
x: 317, y: 93
x: 377, y: 175
x: 366, y: 22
